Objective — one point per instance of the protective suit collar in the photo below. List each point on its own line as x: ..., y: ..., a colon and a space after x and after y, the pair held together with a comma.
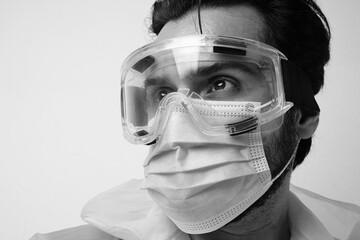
x: 128, y: 213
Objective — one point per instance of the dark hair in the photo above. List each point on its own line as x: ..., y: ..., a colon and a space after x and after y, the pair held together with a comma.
x: 298, y: 28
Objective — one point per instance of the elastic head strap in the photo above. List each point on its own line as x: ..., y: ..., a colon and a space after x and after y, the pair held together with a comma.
x: 297, y: 86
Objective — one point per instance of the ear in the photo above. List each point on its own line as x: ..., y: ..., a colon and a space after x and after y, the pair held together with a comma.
x: 307, y: 126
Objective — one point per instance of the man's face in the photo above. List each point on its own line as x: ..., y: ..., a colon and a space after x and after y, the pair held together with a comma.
x: 244, y: 22
x: 237, y: 21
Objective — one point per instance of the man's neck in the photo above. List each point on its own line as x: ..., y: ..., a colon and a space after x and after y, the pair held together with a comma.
x: 267, y: 222
x: 278, y: 231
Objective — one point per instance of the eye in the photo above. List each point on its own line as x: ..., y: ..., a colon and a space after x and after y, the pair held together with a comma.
x: 219, y: 85
x: 161, y: 93
x: 223, y: 84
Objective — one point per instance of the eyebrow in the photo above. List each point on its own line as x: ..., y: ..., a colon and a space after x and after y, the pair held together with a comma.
x: 161, y: 80
x: 202, y: 72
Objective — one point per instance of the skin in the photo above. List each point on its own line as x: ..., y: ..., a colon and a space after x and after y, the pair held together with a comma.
x: 268, y: 217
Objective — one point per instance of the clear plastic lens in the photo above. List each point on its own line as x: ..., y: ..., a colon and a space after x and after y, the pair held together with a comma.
x: 235, y: 71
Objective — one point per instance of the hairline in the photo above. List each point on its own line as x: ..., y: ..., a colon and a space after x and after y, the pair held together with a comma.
x: 264, y: 34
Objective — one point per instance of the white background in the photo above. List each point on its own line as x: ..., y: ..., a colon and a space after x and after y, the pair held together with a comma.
x: 60, y: 130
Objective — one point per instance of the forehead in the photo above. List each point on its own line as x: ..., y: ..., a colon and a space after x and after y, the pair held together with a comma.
x: 238, y: 21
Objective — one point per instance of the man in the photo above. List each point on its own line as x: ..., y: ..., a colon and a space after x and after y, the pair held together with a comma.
x: 225, y: 99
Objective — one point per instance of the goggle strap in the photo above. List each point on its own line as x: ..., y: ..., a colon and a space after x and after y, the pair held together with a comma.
x: 298, y: 89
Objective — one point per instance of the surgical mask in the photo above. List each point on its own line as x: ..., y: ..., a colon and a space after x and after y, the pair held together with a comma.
x: 202, y: 182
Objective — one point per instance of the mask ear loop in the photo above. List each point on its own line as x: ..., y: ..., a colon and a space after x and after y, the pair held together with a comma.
x: 291, y: 161
x: 199, y: 17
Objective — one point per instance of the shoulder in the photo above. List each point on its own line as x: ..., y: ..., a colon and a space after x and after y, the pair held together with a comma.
x: 340, y: 218
x: 84, y: 232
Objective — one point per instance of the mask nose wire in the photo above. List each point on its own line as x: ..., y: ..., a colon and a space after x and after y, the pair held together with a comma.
x: 183, y: 97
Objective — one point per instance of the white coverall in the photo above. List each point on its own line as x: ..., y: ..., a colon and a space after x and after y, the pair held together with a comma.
x: 126, y: 212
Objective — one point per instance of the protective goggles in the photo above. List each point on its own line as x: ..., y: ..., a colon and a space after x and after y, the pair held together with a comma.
x: 198, y: 73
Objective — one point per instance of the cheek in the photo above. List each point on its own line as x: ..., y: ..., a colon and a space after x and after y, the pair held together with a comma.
x: 279, y: 145
x: 270, y: 146
x: 274, y: 143
x: 273, y: 126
